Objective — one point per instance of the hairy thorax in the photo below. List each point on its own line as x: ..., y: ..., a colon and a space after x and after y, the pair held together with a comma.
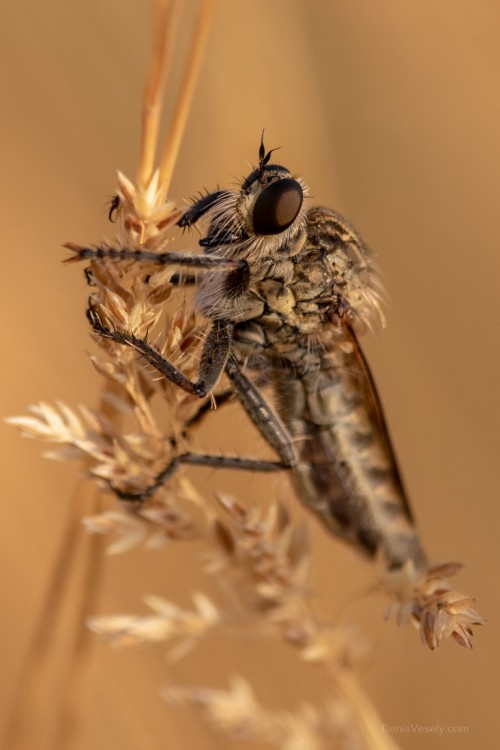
x: 291, y: 303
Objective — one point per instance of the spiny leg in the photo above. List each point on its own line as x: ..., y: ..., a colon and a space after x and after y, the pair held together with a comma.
x: 212, y: 361
x: 200, y: 207
x: 266, y: 416
x: 215, y: 357
x: 262, y: 415
x: 206, y: 262
x: 199, y: 459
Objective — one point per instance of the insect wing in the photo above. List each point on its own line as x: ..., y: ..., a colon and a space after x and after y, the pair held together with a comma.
x: 373, y: 406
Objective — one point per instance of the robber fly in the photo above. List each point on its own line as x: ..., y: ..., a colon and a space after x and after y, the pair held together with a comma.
x: 288, y: 287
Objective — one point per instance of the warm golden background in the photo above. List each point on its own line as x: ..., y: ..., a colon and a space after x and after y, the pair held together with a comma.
x: 391, y: 112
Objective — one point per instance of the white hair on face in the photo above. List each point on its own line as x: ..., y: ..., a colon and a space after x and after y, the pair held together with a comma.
x: 231, y: 214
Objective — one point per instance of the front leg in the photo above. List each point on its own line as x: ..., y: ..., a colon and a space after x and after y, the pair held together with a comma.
x: 212, y: 361
x: 200, y: 208
x: 201, y: 262
x: 224, y: 235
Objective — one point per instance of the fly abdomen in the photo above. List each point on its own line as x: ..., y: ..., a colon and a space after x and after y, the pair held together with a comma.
x: 347, y: 472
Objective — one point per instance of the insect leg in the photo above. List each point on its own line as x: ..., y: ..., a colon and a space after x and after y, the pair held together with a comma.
x: 200, y: 459
x: 200, y: 207
x: 208, y: 262
x: 212, y: 361
x: 204, y: 409
x: 182, y: 280
x: 262, y: 415
x: 221, y: 399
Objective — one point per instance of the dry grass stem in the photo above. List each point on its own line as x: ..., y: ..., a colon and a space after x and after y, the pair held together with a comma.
x: 181, y: 110
x: 70, y: 560
x: 164, y: 33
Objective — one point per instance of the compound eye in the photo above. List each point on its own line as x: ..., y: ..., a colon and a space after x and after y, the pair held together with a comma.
x: 277, y: 206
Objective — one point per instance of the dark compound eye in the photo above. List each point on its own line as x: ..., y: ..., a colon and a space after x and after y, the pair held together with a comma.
x: 277, y: 206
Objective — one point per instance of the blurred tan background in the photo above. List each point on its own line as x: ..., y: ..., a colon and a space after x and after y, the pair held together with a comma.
x: 391, y: 112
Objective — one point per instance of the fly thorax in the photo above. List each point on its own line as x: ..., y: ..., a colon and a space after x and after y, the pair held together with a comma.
x: 263, y: 223
x: 356, y: 290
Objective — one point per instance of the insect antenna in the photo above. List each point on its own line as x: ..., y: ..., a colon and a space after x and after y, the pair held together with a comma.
x: 263, y: 156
